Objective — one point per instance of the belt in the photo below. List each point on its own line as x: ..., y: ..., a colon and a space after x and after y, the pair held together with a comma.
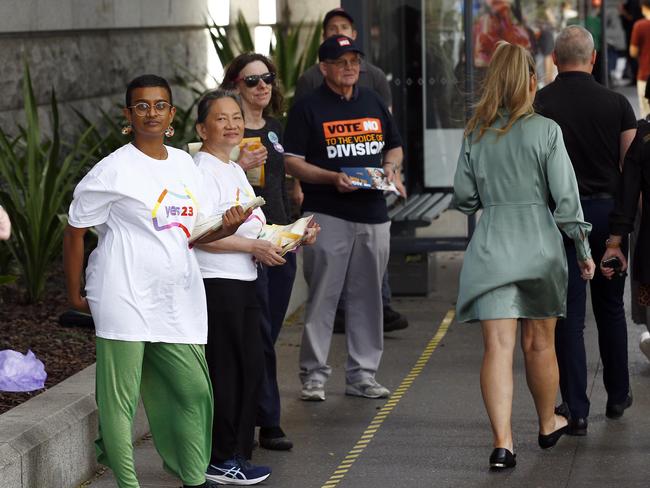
x: 597, y: 196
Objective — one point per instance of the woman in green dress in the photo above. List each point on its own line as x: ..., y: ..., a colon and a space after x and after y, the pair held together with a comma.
x: 512, y: 165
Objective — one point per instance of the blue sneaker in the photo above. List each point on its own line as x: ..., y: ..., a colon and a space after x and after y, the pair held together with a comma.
x: 237, y: 471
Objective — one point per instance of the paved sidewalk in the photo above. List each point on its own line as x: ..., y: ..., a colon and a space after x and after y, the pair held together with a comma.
x: 435, y: 431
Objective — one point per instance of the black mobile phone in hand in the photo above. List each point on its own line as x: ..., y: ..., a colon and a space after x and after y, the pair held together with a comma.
x: 615, y: 264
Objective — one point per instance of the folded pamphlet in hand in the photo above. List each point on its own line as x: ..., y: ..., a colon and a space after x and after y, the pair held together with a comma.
x: 213, y: 223
x: 370, y: 179
x: 288, y: 237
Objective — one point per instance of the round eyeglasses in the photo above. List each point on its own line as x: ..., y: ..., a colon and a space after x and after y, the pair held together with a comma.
x: 141, y: 109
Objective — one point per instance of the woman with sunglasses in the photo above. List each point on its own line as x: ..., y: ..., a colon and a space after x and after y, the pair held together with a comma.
x: 253, y: 76
x: 144, y: 290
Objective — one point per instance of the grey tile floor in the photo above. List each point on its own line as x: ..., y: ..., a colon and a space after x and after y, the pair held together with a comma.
x: 437, y: 433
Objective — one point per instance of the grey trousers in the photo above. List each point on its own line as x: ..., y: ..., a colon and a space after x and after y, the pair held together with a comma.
x: 347, y: 257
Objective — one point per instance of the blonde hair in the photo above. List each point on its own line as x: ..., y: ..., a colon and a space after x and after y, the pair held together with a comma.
x: 506, y: 86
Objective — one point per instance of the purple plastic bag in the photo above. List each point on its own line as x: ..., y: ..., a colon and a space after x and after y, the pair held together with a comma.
x: 20, y: 372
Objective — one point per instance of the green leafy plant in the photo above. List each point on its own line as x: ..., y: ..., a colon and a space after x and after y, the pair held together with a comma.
x: 292, y: 57
x: 6, y: 279
x: 225, y: 45
x: 38, y: 179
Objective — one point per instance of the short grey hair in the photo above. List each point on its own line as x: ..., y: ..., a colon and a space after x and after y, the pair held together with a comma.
x: 574, y: 45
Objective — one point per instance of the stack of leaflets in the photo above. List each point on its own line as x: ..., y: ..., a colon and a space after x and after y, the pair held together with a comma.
x: 213, y: 223
x: 288, y: 237
x: 370, y: 179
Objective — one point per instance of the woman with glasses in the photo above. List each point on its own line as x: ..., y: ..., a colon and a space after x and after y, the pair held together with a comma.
x: 253, y: 76
x: 512, y: 164
x: 144, y: 290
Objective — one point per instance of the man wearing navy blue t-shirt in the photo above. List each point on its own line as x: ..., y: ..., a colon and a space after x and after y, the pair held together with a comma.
x: 343, y: 125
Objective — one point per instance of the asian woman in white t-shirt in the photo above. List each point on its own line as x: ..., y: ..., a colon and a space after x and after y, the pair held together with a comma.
x: 145, y: 291
x: 229, y: 268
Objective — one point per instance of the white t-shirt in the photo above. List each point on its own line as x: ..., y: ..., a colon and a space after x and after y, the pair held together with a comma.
x: 143, y: 282
x: 231, y: 188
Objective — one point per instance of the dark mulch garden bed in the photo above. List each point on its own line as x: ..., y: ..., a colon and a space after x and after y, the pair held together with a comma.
x: 64, y: 351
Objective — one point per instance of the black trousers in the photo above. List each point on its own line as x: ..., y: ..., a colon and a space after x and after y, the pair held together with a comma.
x: 274, y: 285
x: 236, y: 363
x: 607, y: 304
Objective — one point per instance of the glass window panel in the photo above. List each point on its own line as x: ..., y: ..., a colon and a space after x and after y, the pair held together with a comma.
x: 444, y: 89
x: 529, y: 23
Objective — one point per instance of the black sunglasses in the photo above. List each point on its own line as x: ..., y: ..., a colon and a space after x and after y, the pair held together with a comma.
x: 253, y: 80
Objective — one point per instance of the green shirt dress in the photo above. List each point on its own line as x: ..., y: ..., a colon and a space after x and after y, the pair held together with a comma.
x: 515, y: 265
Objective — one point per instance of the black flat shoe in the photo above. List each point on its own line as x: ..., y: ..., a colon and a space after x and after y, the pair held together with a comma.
x: 501, y: 458
x: 549, y: 440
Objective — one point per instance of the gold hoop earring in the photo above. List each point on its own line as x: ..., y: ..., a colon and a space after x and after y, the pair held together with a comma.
x: 169, y: 131
x: 127, y: 129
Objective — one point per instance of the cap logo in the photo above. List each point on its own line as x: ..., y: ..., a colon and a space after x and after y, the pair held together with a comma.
x: 343, y: 41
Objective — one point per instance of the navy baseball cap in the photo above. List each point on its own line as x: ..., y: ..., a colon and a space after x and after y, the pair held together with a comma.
x: 336, y: 12
x: 336, y: 46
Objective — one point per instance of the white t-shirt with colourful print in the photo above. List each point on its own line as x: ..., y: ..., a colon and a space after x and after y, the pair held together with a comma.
x: 231, y: 187
x: 143, y: 282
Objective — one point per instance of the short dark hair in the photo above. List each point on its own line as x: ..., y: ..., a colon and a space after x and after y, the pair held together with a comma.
x: 645, y: 3
x: 146, y: 81
x: 203, y: 107
x: 239, y: 63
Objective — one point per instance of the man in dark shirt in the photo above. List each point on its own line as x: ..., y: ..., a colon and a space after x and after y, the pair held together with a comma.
x: 598, y: 126
x: 343, y: 125
x: 339, y: 22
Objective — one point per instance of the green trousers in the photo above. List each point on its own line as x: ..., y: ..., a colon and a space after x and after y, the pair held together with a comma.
x: 175, y: 386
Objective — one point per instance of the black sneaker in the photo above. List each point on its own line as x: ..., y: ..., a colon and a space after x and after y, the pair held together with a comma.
x: 394, y: 320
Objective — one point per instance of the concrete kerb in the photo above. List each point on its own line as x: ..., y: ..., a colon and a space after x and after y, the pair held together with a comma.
x: 48, y: 441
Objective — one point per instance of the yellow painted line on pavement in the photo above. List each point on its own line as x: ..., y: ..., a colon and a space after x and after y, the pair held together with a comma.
x: 367, y: 436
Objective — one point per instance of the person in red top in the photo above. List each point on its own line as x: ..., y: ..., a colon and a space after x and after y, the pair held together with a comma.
x: 640, y: 48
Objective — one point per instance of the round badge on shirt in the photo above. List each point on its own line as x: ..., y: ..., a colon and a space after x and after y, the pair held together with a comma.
x: 273, y: 137
x: 278, y: 147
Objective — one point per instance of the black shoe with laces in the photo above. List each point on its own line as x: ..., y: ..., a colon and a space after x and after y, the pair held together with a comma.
x: 577, y: 425
x: 393, y: 320
x: 274, y: 439
x: 616, y: 410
